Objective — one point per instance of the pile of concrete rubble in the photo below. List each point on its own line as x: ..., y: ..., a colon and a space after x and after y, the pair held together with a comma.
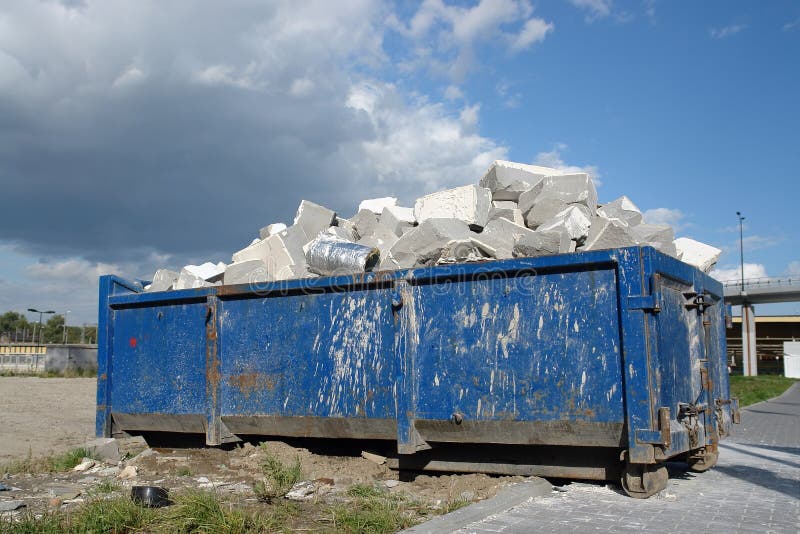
x: 516, y: 210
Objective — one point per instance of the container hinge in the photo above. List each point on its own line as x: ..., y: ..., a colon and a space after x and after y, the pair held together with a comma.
x: 662, y: 436
x: 651, y: 302
x: 697, y: 301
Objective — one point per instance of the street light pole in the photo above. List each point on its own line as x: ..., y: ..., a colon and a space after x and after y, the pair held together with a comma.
x: 33, y: 310
x: 741, y: 245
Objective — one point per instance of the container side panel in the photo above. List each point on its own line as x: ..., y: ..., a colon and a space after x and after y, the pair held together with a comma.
x: 328, y: 354
x: 159, y: 360
x: 527, y: 347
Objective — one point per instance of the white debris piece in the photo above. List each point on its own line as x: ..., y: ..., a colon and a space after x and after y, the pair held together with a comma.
x: 608, y: 233
x: 207, y: 271
x: 398, y: 219
x: 506, y: 209
x: 469, y: 203
x: 163, y: 280
x: 271, y: 229
x: 364, y: 223
x: 659, y: 236
x: 312, y: 219
x: 507, y: 180
x: 246, y: 272
x: 460, y: 250
x: 702, y: 256
x: 544, y: 212
x: 381, y: 238
x: 187, y: 280
x: 574, y: 220
x: 498, y: 238
x: 622, y: 209
x: 423, y: 244
x: 540, y: 243
x: 575, y: 188
x: 377, y: 205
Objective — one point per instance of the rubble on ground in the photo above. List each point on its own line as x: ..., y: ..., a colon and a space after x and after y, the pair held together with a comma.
x: 515, y: 210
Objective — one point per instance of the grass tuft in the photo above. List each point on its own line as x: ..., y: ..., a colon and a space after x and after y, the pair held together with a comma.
x: 109, y: 515
x: 278, y: 478
x: 48, y: 464
x: 203, y: 512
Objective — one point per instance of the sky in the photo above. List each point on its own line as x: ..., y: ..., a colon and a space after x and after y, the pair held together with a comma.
x: 142, y: 134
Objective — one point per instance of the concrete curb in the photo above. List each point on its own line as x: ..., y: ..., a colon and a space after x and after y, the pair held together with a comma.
x: 784, y: 394
x: 507, y: 498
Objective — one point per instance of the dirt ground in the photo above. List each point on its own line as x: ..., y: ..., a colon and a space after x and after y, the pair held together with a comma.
x: 41, y: 416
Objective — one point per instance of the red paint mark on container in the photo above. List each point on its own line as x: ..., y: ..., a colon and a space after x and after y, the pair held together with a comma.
x: 132, y: 342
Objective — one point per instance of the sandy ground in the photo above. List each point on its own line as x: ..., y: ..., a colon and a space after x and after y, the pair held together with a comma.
x: 44, y: 415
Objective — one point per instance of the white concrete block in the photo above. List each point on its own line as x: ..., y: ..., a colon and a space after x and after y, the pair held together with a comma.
x: 342, y: 233
x: 622, y: 209
x: 246, y: 272
x: 469, y: 203
x: 499, y: 236
x: 313, y: 219
x: 608, y: 233
x: 539, y: 243
x: 460, y: 250
x: 702, y: 256
x: 364, y: 222
x: 507, y: 180
x: 271, y: 229
x: 567, y: 188
x: 376, y: 205
x: 398, y: 219
x: 423, y: 244
x: 187, y: 280
x: 381, y: 238
x: 348, y: 226
x: 574, y: 220
x: 660, y: 237
x: 207, y: 271
x: 543, y: 212
x: 502, y: 209
x: 163, y: 280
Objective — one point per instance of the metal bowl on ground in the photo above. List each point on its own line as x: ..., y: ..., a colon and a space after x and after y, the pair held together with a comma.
x: 150, y: 496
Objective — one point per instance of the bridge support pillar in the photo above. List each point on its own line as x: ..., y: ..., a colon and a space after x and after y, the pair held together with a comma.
x: 749, y: 357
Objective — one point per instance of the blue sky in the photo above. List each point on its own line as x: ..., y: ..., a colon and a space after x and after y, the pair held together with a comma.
x: 142, y: 134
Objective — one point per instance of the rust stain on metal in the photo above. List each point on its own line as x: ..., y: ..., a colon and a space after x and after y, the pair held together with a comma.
x: 248, y: 383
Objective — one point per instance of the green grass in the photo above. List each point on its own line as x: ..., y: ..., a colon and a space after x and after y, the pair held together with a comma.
x: 375, y: 510
x: 204, y: 512
x: 278, y: 477
x: 753, y: 389
x: 183, y: 471
x: 48, y: 464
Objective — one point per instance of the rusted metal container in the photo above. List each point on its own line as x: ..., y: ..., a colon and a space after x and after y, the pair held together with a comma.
x: 596, y: 365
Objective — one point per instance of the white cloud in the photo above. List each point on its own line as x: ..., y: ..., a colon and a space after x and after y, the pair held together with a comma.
x: 511, y: 99
x: 301, y: 87
x: 555, y: 160
x: 596, y: 9
x: 794, y: 268
x: 533, y: 31
x: 452, y: 92
x: 793, y: 25
x: 751, y: 270
x: 129, y: 77
x: 726, y: 31
x: 457, y: 30
x: 665, y: 216
x: 417, y: 146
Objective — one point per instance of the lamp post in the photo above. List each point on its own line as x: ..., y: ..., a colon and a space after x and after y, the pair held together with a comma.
x: 741, y: 245
x: 66, y: 315
x: 41, y: 313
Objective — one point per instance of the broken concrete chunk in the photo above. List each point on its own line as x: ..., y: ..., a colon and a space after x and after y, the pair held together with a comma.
x: 364, y: 222
x: 312, y: 219
x: 377, y: 205
x: 398, y: 219
x: 460, y: 250
x: 540, y: 243
x: 106, y: 449
x: 381, y: 238
x: 342, y: 233
x: 187, y: 280
x: 271, y: 229
x: 163, y: 280
x: 469, y: 203
x: 507, y: 180
x: 498, y: 238
x: 246, y: 272
x: 423, y: 244
x: 622, y: 209
x: 502, y: 209
x: 567, y: 188
x: 608, y: 233
x: 347, y: 226
x: 207, y: 271
x: 543, y: 212
x: 329, y: 256
x: 702, y: 256
x: 661, y: 237
x: 574, y: 220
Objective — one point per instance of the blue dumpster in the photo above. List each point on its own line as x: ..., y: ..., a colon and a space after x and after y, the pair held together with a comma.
x: 594, y: 365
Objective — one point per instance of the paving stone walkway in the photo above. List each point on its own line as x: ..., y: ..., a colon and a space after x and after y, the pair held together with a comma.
x: 755, y: 487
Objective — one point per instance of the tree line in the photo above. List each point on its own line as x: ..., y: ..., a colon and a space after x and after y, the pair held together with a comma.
x: 16, y: 328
